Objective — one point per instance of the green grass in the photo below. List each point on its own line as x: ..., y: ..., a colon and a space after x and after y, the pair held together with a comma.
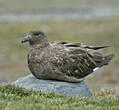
x: 15, y: 98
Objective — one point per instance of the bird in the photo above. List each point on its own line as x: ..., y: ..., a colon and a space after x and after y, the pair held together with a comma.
x: 62, y: 60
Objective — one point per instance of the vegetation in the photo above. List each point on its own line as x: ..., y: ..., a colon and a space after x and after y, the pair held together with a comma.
x: 15, y: 98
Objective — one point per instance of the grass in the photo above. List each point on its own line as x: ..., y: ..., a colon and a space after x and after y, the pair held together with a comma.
x: 15, y: 98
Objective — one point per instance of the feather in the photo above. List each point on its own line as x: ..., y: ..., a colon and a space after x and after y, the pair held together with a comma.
x: 96, y: 47
x: 62, y: 60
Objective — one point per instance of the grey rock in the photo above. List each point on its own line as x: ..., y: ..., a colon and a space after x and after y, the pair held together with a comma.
x: 4, y: 80
x: 65, y: 88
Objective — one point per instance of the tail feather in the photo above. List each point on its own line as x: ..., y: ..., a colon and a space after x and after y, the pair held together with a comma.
x: 96, y: 48
x: 106, y: 60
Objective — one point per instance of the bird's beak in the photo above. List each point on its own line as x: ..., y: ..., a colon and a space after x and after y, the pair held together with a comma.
x: 26, y: 38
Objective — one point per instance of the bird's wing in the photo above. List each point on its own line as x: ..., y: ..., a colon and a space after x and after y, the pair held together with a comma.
x: 78, y: 44
x: 68, y: 44
x: 82, y: 59
x: 79, y: 48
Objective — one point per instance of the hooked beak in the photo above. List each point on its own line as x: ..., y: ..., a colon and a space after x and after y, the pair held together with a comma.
x: 25, y: 39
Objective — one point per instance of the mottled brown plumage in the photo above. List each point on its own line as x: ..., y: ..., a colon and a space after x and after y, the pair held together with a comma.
x: 65, y: 61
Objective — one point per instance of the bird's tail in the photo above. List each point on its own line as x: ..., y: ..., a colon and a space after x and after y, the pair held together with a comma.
x: 106, y: 60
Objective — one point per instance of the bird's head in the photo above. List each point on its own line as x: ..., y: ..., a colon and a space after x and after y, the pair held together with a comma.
x: 34, y: 37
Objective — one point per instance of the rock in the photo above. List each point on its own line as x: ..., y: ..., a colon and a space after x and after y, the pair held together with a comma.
x: 4, y: 80
x: 69, y: 89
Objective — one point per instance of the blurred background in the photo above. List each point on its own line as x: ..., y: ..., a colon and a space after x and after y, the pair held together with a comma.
x: 92, y: 22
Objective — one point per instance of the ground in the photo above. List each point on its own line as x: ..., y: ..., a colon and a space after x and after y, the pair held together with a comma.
x: 15, y: 98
